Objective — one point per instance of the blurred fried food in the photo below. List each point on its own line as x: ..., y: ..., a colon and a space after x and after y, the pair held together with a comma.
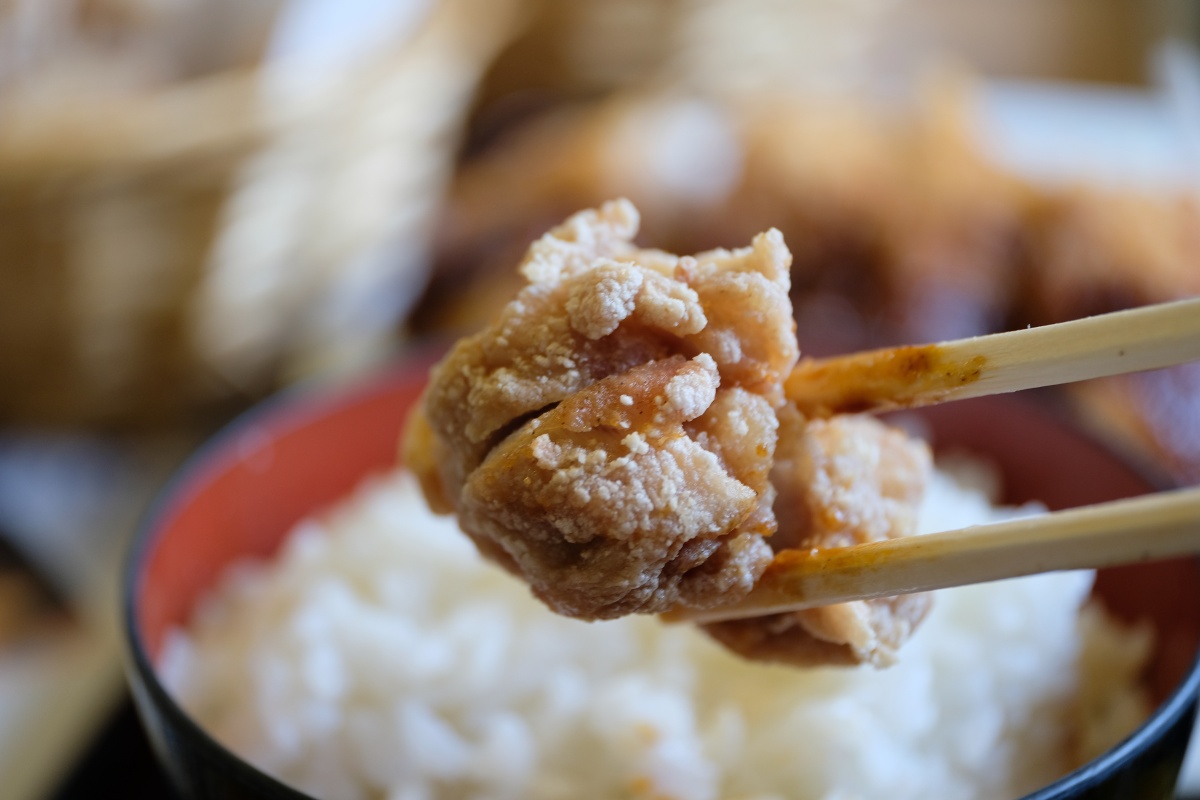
x: 1093, y: 251
x: 902, y: 230
x: 884, y: 210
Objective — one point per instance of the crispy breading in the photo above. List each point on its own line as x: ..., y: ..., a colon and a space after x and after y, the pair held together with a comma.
x: 843, y: 481
x: 610, y: 436
x: 611, y: 439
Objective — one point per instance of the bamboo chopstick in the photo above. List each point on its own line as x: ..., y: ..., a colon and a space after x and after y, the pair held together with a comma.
x: 1148, y: 528
x: 903, y: 377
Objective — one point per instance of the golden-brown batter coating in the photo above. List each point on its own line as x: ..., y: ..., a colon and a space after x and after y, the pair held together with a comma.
x: 610, y: 436
x: 612, y: 439
x: 624, y: 498
x: 843, y: 481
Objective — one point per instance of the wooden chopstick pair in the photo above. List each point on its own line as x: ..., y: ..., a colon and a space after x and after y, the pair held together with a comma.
x: 1147, y: 528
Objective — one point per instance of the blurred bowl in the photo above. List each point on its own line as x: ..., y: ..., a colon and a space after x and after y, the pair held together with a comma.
x: 304, y: 451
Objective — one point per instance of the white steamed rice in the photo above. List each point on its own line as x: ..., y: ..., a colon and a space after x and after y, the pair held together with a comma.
x: 379, y: 657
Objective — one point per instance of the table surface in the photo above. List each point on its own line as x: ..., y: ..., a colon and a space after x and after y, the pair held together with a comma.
x: 119, y: 763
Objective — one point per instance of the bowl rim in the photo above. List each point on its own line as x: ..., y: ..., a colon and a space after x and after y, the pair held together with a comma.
x: 292, y: 408
x: 287, y: 410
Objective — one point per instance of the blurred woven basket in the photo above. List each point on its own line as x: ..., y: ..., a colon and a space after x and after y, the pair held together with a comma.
x: 168, y: 249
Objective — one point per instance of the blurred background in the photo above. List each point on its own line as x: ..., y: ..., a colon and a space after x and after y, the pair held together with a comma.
x: 205, y: 201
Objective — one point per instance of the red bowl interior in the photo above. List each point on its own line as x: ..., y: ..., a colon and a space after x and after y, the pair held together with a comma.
x: 299, y: 455
x: 249, y: 487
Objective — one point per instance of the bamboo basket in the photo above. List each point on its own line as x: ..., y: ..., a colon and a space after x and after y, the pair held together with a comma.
x: 200, y: 244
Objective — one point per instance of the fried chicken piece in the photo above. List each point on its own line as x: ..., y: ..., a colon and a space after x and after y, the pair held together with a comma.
x: 628, y: 497
x: 842, y: 481
x: 609, y: 438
